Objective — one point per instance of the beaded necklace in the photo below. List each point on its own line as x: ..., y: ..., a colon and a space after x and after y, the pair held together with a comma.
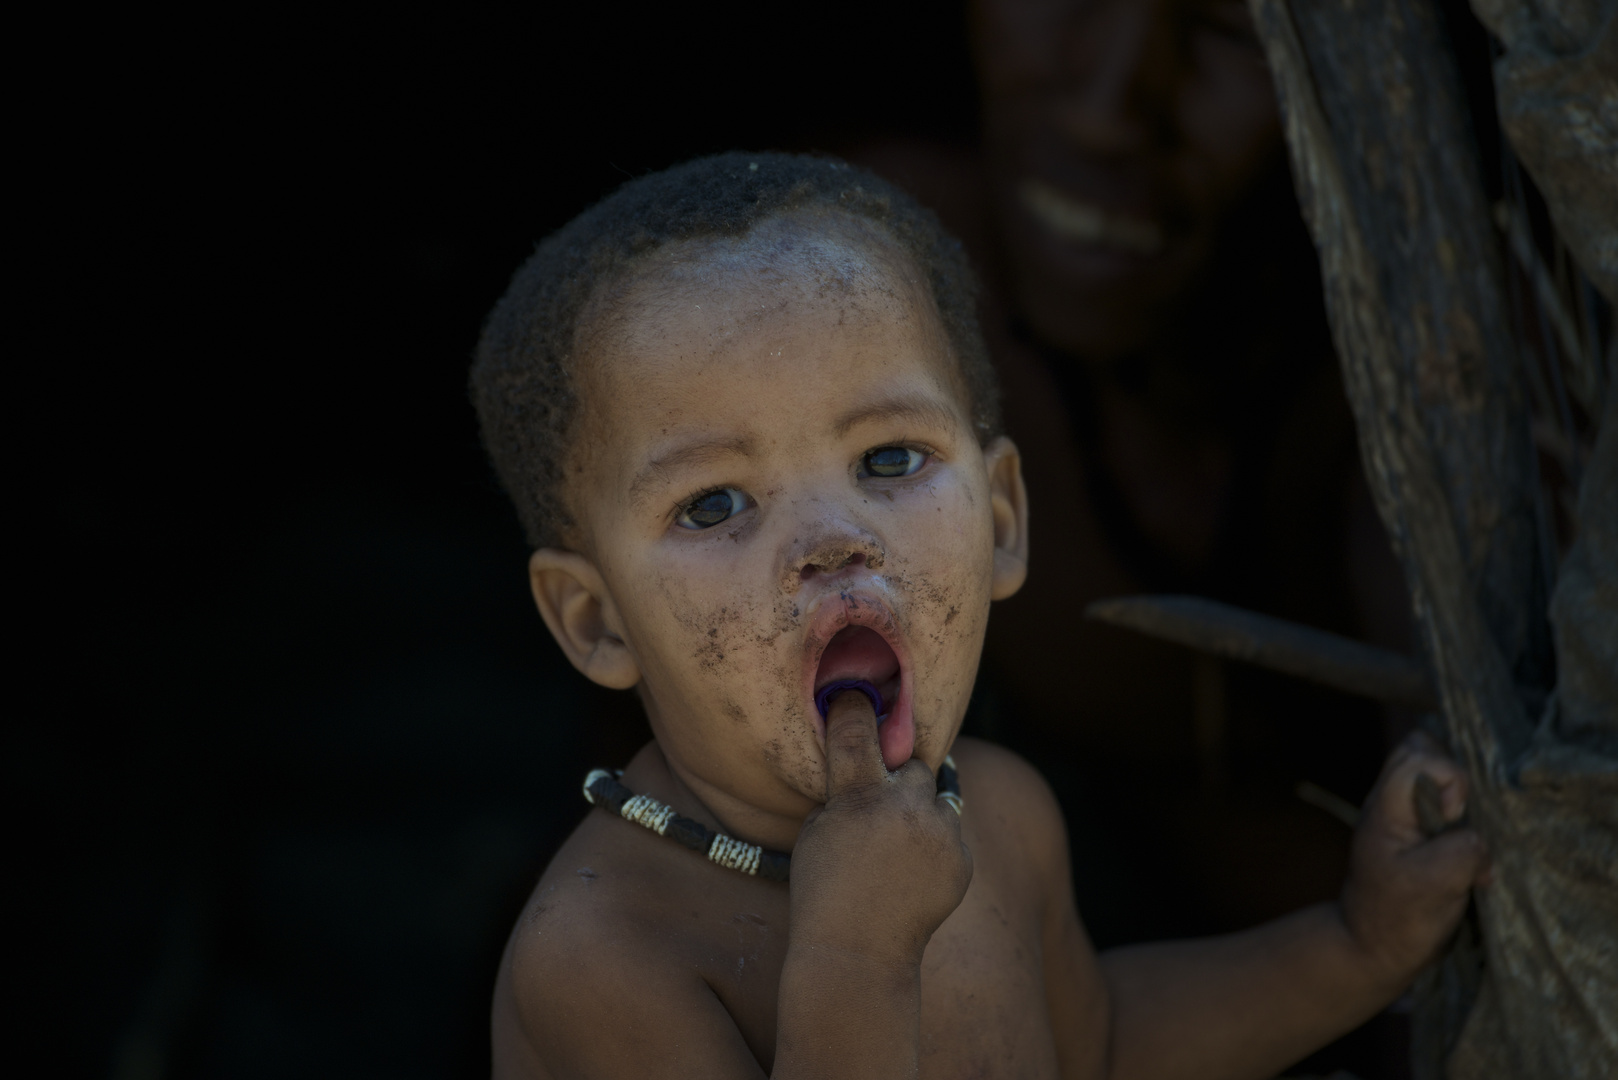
x: 601, y: 788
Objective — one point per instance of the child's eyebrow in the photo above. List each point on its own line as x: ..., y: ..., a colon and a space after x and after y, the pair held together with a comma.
x: 924, y: 411
x: 698, y: 452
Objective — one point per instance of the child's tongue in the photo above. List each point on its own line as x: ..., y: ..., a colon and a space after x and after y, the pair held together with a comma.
x: 859, y: 653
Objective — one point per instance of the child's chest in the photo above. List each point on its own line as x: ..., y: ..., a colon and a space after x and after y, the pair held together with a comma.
x: 983, y: 997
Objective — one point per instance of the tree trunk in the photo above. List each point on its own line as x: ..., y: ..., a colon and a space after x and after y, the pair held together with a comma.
x: 1388, y: 181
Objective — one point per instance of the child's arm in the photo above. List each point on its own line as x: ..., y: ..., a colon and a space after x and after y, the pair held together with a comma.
x: 1253, y: 1003
x: 850, y: 995
x: 1244, y: 1005
x: 1249, y: 1004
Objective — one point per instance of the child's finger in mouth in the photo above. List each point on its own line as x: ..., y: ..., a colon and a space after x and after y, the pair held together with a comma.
x: 853, y: 645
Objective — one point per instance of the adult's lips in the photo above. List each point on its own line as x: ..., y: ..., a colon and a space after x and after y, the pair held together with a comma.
x: 853, y: 637
x: 1075, y: 219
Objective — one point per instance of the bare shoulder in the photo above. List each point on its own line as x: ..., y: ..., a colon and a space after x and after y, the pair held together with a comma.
x: 581, y: 924
x: 591, y: 897
x: 996, y: 765
x: 598, y: 940
x: 1011, y: 806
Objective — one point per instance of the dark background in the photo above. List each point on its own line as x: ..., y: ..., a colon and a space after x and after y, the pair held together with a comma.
x: 296, y: 744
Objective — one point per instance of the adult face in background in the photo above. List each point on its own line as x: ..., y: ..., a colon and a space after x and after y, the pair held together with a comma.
x: 1120, y: 135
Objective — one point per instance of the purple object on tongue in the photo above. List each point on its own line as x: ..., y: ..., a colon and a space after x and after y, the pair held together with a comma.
x: 824, y: 695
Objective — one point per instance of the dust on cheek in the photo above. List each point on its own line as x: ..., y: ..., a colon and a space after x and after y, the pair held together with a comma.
x: 730, y: 648
x: 946, y: 585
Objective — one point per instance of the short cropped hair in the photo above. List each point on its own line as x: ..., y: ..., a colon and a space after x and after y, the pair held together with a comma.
x: 523, y: 379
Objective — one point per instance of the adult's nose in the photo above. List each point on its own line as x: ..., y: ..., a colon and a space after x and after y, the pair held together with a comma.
x: 1119, y: 75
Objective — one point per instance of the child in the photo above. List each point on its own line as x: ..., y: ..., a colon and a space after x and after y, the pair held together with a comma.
x: 750, y: 427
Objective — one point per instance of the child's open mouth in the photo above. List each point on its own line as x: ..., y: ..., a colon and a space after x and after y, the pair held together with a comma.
x: 858, y: 659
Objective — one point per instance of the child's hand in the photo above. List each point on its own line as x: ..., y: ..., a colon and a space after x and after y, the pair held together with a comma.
x: 1406, y: 892
x: 881, y: 865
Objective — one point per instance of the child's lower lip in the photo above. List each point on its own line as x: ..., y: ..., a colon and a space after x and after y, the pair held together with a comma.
x: 897, y: 735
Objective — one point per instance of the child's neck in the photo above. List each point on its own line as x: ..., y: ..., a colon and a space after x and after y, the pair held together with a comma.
x: 654, y: 772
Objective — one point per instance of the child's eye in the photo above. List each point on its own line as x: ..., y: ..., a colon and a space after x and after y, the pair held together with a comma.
x: 891, y: 461
x: 710, y: 509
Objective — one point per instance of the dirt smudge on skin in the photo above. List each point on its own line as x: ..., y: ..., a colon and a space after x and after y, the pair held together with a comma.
x: 539, y: 908
x: 714, y: 635
x: 751, y: 933
x: 771, y: 751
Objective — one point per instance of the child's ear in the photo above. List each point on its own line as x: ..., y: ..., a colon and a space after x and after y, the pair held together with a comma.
x: 1009, y: 500
x: 576, y: 606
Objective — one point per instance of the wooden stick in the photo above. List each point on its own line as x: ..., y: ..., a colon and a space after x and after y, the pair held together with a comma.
x: 1291, y: 648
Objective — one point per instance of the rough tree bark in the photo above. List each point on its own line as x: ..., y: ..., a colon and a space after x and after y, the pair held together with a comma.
x: 1387, y: 179
x: 1557, y: 87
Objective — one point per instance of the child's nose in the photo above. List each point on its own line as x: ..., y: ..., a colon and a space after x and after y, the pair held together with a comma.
x: 809, y: 570
x: 830, y: 554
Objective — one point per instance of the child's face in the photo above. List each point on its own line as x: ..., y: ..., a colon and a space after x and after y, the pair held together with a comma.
x: 780, y: 487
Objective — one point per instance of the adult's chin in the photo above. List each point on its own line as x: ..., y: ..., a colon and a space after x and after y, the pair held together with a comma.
x: 1090, y: 324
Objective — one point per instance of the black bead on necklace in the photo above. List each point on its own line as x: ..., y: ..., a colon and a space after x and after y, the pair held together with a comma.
x: 602, y: 789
